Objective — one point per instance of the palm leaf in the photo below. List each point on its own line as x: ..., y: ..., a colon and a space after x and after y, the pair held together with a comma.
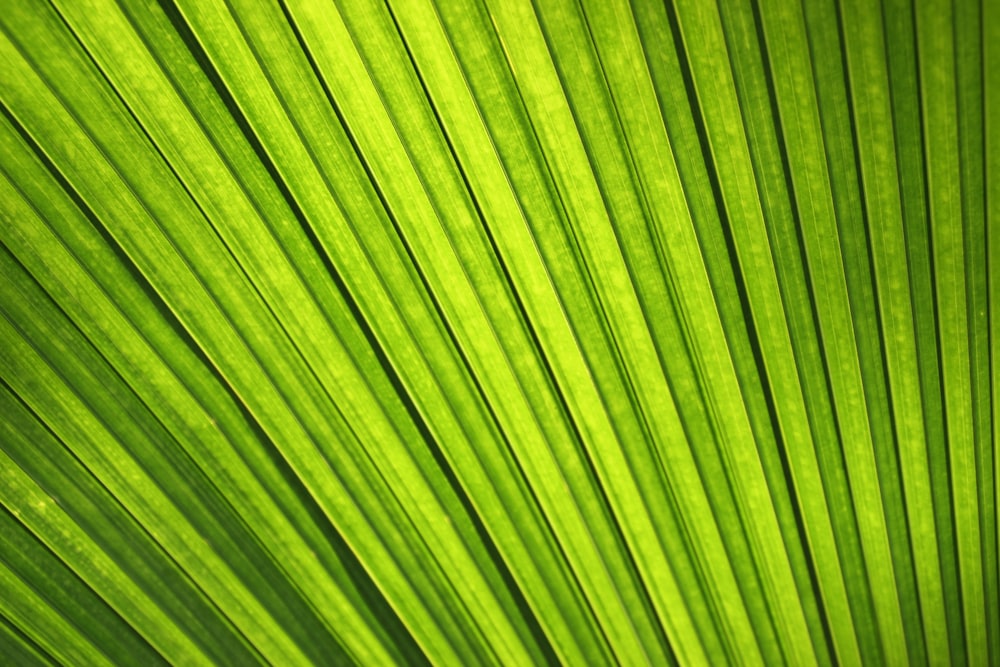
x: 499, y: 332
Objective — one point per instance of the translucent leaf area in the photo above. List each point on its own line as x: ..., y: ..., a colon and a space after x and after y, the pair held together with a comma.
x: 499, y: 332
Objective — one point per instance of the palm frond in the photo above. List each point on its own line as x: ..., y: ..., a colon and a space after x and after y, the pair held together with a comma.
x: 499, y: 332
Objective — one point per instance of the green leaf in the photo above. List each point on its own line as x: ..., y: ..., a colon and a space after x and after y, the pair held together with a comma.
x: 499, y: 332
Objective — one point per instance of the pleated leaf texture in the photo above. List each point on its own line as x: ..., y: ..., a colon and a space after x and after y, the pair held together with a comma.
x: 499, y: 332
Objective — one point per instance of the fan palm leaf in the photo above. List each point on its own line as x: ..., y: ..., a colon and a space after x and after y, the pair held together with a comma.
x: 499, y: 332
